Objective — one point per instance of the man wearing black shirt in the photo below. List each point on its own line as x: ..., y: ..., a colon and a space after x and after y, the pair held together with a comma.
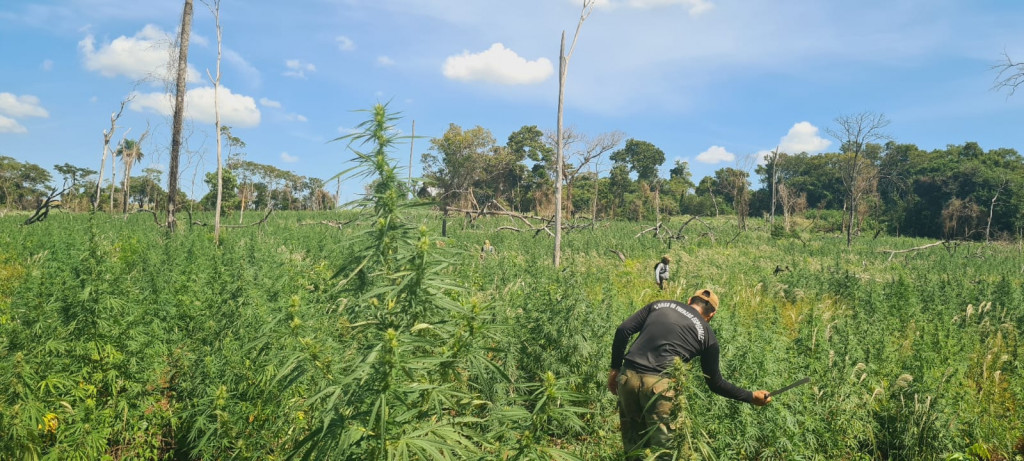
x: 661, y: 271
x: 668, y: 329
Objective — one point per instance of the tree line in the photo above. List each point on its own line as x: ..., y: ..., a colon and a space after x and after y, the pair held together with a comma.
x: 248, y: 185
x: 959, y: 192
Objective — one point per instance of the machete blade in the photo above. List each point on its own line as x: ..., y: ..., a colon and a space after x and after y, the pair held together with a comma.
x: 799, y: 382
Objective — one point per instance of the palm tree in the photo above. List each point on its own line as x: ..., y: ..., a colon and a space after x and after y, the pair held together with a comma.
x: 130, y: 151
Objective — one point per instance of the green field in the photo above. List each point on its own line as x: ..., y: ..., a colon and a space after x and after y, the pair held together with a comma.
x: 364, y: 335
x: 119, y: 340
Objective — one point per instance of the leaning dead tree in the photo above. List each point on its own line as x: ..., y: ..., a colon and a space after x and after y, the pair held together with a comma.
x: 43, y: 210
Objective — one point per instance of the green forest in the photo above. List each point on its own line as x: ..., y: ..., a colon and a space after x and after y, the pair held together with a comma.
x: 962, y: 192
x: 381, y: 331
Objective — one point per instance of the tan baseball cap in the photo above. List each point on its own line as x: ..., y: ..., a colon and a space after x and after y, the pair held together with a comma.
x: 708, y: 296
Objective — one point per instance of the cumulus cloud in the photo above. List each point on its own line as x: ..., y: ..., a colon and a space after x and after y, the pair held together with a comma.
x: 25, y: 105
x: 144, y: 55
x: 296, y: 118
x: 715, y: 154
x: 803, y: 137
x: 497, y: 65
x: 695, y: 7
x: 298, y: 69
x: 235, y: 109
x: 288, y: 158
x: 385, y: 61
x: 265, y: 102
x: 10, y: 125
x: 345, y: 43
x: 47, y: 65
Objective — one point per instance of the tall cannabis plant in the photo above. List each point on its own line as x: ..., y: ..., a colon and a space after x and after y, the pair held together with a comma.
x: 396, y: 398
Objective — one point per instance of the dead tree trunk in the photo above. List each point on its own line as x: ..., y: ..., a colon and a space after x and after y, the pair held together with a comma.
x: 563, y: 68
x: 179, y: 113
x: 215, y: 9
x: 106, y: 148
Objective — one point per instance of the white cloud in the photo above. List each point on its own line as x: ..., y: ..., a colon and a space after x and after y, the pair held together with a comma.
x: 385, y: 61
x: 497, y: 65
x: 10, y: 125
x: 296, y: 118
x: 47, y: 65
x: 145, y: 55
x: 235, y: 109
x: 240, y: 64
x: 298, y: 68
x: 695, y: 7
x: 715, y: 154
x: 197, y: 39
x: 803, y: 137
x: 288, y: 158
x: 25, y: 105
x: 347, y: 131
x: 265, y: 102
x: 345, y: 43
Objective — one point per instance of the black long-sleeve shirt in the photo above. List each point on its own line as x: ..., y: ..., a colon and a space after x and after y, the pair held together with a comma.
x: 670, y: 329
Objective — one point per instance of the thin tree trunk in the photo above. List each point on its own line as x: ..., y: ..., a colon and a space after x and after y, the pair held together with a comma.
x: 593, y: 203
x: 563, y: 68
x: 558, y: 151
x: 241, y: 208
x: 215, y: 8
x: 991, y: 209
x: 113, y: 177
x: 106, y: 148
x: 412, y: 139
x: 136, y: 151
x: 179, y: 113
x: 713, y: 200
x: 124, y: 185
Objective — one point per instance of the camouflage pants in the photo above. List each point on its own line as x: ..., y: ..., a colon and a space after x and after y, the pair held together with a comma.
x: 645, y: 413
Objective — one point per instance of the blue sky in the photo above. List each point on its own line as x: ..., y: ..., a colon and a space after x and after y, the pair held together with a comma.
x: 711, y: 82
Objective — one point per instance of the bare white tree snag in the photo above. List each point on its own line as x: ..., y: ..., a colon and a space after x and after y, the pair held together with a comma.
x: 106, y: 148
x: 991, y: 209
x: 214, y: 6
x: 179, y: 112
x: 854, y: 132
x: 412, y: 139
x: 909, y: 250
x: 563, y: 68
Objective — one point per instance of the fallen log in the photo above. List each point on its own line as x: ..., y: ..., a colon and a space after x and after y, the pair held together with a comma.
x: 908, y: 250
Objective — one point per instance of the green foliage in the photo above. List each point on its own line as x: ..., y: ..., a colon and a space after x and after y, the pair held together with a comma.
x: 118, y: 340
x: 642, y: 157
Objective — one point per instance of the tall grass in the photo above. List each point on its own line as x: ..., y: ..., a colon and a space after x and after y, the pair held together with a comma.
x: 381, y: 340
